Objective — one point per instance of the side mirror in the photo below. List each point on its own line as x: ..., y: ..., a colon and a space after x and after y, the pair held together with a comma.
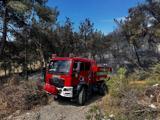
x: 75, y: 74
x: 76, y: 70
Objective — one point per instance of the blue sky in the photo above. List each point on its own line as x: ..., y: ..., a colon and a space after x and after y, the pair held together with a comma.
x: 101, y: 12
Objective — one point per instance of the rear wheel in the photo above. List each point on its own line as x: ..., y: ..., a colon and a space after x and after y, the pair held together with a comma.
x: 103, y: 89
x: 82, y: 96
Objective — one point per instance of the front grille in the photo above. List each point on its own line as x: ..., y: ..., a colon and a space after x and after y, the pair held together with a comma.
x: 57, y: 82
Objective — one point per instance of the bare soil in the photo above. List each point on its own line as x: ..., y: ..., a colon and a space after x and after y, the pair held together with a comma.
x: 58, y: 110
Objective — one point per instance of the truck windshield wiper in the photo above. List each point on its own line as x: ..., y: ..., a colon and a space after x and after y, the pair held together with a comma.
x: 62, y: 72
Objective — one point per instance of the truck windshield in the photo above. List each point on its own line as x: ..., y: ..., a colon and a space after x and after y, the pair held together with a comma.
x: 59, y: 66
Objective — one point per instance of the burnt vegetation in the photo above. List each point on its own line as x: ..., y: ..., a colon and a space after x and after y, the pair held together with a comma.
x: 30, y: 32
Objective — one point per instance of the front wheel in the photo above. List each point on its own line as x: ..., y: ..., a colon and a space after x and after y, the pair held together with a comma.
x: 82, y: 96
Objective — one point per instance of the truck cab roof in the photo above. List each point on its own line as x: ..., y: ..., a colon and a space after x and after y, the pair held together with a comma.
x: 74, y: 58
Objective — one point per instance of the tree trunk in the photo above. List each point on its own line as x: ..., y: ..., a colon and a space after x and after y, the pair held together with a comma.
x: 9, y: 69
x: 5, y: 72
x: 30, y: 65
x: 4, y: 34
x: 134, y: 52
x: 100, y: 58
x: 42, y: 58
x: 137, y: 55
x: 5, y: 69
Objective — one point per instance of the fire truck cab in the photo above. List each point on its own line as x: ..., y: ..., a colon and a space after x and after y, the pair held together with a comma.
x: 75, y: 78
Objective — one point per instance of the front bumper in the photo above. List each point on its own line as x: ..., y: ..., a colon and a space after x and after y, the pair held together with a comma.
x: 66, y: 92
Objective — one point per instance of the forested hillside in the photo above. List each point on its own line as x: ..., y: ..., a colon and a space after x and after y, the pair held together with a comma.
x: 30, y: 32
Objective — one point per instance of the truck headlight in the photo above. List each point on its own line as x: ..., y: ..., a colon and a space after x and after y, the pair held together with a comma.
x: 67, y: 89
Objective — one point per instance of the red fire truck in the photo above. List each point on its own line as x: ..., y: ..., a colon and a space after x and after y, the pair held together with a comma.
x: 75, y: 78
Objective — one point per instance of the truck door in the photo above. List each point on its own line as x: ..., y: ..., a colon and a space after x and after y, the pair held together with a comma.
x: 78, y: 74
x: 84, y: 75
x: 87, y: 72
x: 75, y: 73
x: 81, y: 72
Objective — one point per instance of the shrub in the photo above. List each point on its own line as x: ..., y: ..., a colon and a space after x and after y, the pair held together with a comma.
x: 155, y: 73
x: 118, y: 83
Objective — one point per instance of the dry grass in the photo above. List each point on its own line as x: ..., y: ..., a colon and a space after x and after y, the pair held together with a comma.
x: 21, y: 96
x: 137, y: 82
x: 110, y: 105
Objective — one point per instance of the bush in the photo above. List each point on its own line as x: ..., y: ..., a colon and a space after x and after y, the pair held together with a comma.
x: 118, y: 84
x: 140, y: 75
x: 155, y: 73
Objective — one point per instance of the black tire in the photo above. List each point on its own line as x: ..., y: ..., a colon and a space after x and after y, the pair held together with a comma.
x: 82, y: 96
x: 103, y: 89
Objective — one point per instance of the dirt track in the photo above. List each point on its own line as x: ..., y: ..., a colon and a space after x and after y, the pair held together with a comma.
x: 59, y: 110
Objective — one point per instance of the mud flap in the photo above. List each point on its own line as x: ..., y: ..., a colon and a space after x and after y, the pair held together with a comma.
x: 50, y: 89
